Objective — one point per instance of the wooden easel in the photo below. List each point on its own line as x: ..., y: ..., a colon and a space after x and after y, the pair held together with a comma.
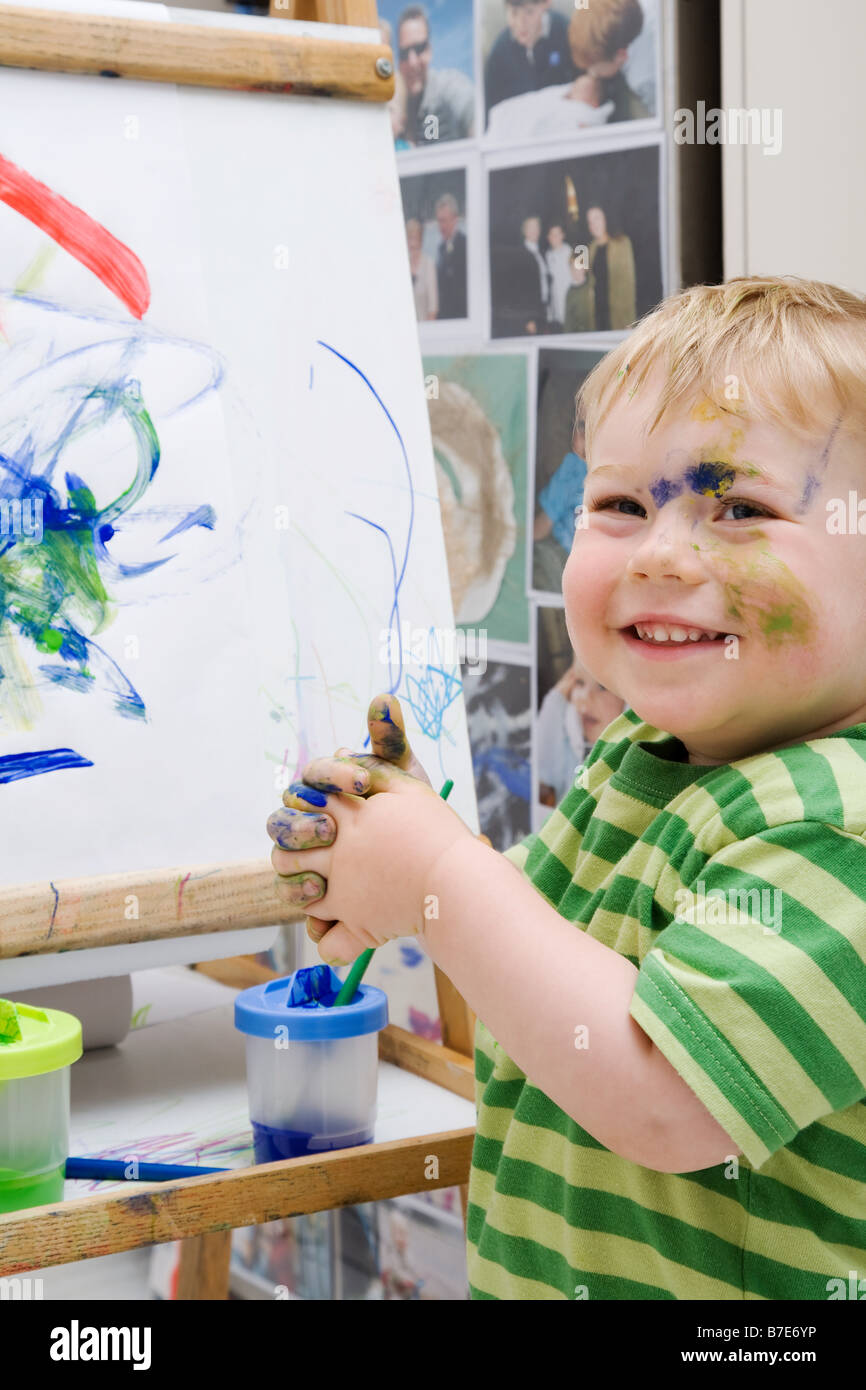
x: 75, y: 914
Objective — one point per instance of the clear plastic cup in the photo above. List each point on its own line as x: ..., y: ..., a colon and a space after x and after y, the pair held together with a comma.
x: 37, y: 1049
x: 312, y: 1069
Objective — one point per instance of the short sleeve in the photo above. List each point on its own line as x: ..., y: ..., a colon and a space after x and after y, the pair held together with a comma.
x: 756, y: 990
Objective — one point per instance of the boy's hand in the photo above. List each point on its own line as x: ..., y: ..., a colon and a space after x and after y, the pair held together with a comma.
x: 389, y: 749
x: 299, y: 827
x: 380, y: 867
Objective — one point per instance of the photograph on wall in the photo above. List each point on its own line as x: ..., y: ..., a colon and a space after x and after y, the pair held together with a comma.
x: 434, y: 211
x: 498, y: 709
x: 560, y: 462
x: 575, y: 244
x: 434, y: 78
x: 478, y: 407
x: 553, y: 67
x: 572, y: 709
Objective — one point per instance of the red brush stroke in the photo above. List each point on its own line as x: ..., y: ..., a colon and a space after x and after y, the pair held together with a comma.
x: 87, y: 240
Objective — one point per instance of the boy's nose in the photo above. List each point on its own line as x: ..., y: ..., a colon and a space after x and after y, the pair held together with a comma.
x: 669, y: 549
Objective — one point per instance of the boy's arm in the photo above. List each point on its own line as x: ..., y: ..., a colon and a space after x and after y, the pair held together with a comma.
x: 558, y: 1002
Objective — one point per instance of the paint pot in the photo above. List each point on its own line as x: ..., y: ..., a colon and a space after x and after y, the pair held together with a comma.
x: 37, y: 1049
x: 312, y: 1069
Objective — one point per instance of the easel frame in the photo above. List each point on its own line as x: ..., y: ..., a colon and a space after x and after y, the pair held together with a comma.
x: 77, y: 914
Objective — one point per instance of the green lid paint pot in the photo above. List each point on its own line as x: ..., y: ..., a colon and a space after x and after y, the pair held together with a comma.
x: 312, y: 1067
x: 37, y: 1049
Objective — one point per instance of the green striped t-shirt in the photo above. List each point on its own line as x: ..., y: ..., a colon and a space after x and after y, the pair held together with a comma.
x: 739, y: 894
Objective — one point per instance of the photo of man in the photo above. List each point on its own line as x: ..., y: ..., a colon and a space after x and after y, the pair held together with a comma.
x: 434, y: 58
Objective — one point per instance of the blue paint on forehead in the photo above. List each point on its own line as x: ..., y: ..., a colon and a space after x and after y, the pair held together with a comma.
x: 710, y: 479
x: 663, y: 489
x: 707, y: 479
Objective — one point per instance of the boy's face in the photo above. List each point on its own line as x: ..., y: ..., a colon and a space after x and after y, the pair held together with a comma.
x: 728, y: 553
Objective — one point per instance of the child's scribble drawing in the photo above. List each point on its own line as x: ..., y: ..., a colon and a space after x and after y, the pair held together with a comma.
x: 75, y: 529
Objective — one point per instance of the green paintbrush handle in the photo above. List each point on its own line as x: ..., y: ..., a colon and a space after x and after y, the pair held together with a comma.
x: 353, y: 979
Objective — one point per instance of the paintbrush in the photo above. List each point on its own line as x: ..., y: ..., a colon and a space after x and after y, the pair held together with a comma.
x: 353, y: 979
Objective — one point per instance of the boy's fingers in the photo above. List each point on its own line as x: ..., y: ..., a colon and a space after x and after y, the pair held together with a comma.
x: 300, y: 889
x: 387, y: 731
x: 317, y: 927
x: 388, y: 738
x: 341, y: 946
x: 336, y: 774
x: 288, y: 862
x: 292, y: 829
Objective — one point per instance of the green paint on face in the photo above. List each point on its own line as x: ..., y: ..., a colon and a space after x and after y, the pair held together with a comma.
x: 775, y: 605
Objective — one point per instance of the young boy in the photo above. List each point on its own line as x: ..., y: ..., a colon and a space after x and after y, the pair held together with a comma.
x: 670, y: 976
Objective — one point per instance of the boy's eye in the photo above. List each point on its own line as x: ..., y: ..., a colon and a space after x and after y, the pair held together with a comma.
x: 751, y: 506
x: 608, y: 502
x: 611, y: 502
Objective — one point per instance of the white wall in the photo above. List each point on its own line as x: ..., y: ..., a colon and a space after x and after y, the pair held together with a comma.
x: 802, y: 211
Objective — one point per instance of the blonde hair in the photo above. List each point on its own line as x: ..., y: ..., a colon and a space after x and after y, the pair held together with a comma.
x: 598, y: 32
x: 781, y: 349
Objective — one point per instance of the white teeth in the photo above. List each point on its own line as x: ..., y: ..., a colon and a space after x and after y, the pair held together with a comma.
x: 660, y: 632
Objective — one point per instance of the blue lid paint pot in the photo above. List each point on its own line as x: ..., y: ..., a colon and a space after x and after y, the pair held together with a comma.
x: 312, y: 1068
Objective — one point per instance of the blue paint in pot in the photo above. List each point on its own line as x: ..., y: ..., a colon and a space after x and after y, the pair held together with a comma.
x: 271, y: 1144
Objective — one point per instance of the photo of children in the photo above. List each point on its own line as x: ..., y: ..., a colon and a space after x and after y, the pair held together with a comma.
x: 596, y: 214
x: 554, y: 68
x: 560, y: 463
x: 434, y: 209
x: 572, y: 710
x: 499, y: 716
x: 433, y: 46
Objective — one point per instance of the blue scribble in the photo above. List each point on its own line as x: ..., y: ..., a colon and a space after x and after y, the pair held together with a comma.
x: 397, y: 579
x: 53, y: 587
x: 15, y: 766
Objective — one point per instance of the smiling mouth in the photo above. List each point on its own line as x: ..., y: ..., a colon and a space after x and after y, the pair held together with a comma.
x: 705, y: 639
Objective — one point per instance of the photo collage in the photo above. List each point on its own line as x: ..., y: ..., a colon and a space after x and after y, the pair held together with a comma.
x: 531, y: 155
